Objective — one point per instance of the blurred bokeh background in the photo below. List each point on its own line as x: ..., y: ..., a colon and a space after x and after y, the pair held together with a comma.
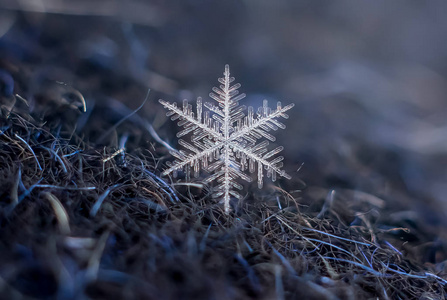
x: 368, y: 77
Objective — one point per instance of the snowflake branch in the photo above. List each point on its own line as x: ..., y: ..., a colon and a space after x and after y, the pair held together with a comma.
x: 190, y: 159
x: 191, y: 119
x: 262, y: 161
x: 256, y: 123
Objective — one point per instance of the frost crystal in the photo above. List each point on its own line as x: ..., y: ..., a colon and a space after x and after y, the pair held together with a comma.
x: 225, y: 142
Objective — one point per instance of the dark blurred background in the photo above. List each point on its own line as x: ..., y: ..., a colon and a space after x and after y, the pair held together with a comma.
x: 368, y: 78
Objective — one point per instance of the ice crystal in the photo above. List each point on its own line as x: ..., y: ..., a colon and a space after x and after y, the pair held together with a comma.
x: 225, y: 141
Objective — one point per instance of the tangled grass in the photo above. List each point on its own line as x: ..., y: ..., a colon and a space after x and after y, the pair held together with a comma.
x: 85, y: 220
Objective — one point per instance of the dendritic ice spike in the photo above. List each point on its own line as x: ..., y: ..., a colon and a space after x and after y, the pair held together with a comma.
x: 225, y: 141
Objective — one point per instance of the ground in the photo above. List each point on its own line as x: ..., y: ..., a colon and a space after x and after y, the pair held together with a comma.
x: 85, y: 212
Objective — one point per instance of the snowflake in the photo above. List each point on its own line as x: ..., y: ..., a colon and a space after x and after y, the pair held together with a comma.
x: 224, y: 141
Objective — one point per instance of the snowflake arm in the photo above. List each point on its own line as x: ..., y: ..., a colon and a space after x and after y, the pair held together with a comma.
x: 273, y: 166
x: 225, y: 141
x: 259, y: 127
x: 184, y: 160
x: 187, y: 119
